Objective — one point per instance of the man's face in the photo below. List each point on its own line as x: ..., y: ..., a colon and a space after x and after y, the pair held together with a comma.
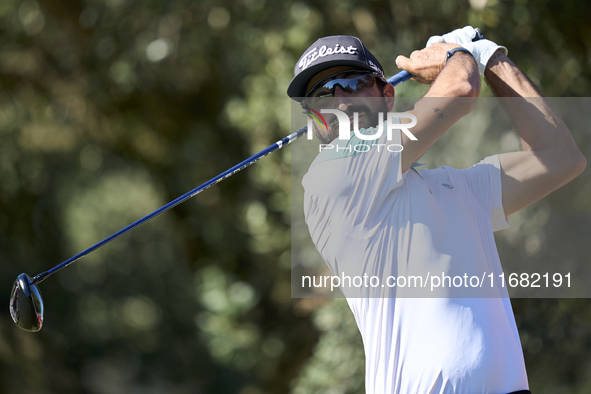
x: 357, y: 92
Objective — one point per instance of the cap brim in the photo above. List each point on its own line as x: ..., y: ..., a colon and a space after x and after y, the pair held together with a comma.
x: 297, y: 87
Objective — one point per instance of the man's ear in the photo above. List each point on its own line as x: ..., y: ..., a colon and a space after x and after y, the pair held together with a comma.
x: 390, y: 95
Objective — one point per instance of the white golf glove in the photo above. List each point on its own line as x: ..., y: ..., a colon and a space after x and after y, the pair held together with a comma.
x: 482, y: 50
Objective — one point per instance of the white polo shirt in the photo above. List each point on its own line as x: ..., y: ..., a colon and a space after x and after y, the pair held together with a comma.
x: 367, y: 218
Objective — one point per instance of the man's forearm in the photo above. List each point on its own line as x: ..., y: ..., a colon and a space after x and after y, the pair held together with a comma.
x: 538, y: 125
x: 549, y: 157
x: 506, y: 80
x: 459, y: 78
x: 452, y: 95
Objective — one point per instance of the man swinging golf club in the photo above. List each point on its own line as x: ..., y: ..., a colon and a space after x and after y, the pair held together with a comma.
x: 368, y: 213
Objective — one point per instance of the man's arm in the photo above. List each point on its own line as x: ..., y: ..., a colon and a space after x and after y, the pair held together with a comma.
x: 455, y: 85
x: 549, y: 157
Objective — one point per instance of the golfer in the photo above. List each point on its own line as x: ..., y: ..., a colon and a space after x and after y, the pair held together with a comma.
x: 371, y: 211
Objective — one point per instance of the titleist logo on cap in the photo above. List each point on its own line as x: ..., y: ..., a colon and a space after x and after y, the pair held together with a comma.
x: 372, y: 65
x: 316, y: 53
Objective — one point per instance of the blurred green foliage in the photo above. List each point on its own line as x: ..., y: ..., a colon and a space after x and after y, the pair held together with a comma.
x: 109, y: 109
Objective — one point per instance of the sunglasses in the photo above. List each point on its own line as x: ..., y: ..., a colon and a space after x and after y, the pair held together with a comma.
x: 323, y: 91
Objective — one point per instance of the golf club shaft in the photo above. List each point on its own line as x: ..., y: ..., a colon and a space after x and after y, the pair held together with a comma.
x: 396, y: 79
x: 402, y: 76
x: 226, y: 174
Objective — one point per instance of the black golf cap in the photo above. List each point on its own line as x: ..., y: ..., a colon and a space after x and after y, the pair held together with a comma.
x: 329, y: 52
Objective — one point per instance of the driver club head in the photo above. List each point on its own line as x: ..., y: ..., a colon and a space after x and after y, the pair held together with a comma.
x: 26, y: 304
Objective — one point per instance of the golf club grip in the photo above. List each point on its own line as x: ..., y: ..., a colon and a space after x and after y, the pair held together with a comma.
x: 405, y: 75
x: 400, y: 77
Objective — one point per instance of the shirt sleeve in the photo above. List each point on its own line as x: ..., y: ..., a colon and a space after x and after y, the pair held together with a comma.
x: 484, y: 181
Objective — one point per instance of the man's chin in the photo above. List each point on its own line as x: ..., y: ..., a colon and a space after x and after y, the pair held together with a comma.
x: 364, y: 122
x: 327, y: 138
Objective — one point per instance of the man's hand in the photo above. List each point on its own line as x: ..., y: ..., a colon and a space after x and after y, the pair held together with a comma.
x: 482, y: 50
x: 427, y: 63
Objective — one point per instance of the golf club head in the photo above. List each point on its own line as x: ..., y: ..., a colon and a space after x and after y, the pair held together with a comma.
x: 26, y: 304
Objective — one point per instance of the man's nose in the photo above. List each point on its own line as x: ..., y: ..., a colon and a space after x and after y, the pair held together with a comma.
x: 342, y: 99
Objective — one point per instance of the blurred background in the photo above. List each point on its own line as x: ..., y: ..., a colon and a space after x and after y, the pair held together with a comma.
x: 110, y: 109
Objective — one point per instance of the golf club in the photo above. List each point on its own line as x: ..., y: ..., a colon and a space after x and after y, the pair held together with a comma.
x: 26, y: 303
